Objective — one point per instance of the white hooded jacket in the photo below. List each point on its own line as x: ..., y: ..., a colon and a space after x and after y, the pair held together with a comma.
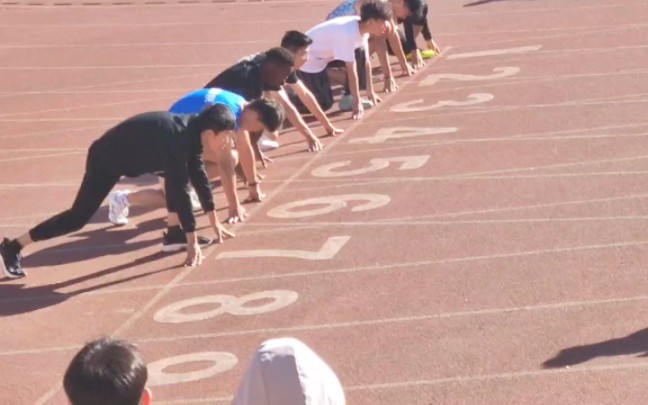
x: 285, y: 371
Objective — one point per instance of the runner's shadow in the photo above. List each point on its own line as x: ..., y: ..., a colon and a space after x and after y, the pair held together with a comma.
x: 18, y: 299
x: 636, y: 343
x: 109, y: 240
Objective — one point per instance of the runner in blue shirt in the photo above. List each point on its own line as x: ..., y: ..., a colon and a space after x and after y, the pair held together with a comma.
x: 256, y: 116
x: 199, y: 99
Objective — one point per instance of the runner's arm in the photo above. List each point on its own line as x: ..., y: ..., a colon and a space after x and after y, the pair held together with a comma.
x: 227, y: 166
x: 309, y: 100
x: 292, y: 115
x: 246, y: 155
x: 176, y: 186
x: 397, y: 47
x: 200, y: 181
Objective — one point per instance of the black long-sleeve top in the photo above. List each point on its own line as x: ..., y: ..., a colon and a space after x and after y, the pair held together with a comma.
x: 159, y: 142
x: 409, y: 24
x: 245, y: 78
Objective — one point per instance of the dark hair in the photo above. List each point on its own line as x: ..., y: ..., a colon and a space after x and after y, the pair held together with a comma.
x: 106, y: 372
x: 415, y: 8
x: 295, y: 40
x: 270, y: 113
x: 280, y: 56
x: 375, y: 10
x: 217, y: 117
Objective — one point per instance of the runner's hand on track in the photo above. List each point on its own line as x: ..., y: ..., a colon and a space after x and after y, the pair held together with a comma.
x: 238, y: 214
x: 314, y: 144
x: 433, y: 46
x: 332, y: 131
x: 390, y: 85
x: 417, y: 59
x: 408, y: 70
x: 194, y: 255
x: 256, y: 195
x: 373, y: 97
x: 218, y: 228
x: 358, y: 111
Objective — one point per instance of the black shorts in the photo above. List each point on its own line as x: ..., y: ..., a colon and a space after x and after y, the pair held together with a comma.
x: 320, y: 85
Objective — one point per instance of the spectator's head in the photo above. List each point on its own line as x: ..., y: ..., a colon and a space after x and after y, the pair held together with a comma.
x: 278, y: 65
x: 374, y: 17
x: 213, y: 121
x: 297, y: 43
x: 107, y: 372
x: 260, y: 115
x: 407, y: 8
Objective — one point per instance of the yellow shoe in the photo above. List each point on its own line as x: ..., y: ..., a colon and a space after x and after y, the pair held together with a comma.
x: 428, y: 53
x: 425, y: 54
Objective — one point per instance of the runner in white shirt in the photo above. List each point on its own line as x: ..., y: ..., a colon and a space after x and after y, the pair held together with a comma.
x: 334, y: 46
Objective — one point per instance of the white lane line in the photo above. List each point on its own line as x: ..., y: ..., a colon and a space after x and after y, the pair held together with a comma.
x: 362, y: 323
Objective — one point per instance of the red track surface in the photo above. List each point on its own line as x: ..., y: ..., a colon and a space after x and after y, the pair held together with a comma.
x: 518, y: 235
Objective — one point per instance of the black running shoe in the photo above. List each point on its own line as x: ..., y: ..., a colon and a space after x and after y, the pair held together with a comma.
x: 11, y: 260
x: 177, y: 241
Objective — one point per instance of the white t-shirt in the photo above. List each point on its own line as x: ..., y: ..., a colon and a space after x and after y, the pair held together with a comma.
x: 335, y: 39
x: 285, y: 371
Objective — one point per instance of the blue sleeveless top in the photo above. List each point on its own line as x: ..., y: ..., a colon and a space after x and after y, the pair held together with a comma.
x: 196, y: 101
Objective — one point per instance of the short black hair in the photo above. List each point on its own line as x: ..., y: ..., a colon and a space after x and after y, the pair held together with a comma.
x: 217, y: 117
x: 295, y: 40
x: 106, y: 372
x: 280, y: 56
x: 375, y: 10
x: 270, y: 113
x: 415, y: 8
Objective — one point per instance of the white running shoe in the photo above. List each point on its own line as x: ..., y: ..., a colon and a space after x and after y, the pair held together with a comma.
x: 266, y: 144
x: 118, y: 207
x: 346, y: 103
x: 195, y: 201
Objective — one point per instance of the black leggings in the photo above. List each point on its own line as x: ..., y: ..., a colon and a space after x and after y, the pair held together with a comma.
x: 95, y: 187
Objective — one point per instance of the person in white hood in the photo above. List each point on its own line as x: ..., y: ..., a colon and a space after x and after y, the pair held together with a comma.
x: 285, y: 371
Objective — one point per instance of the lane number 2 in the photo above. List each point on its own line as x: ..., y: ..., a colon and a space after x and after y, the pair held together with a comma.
x: 498, y: 73
x: 415, y: 105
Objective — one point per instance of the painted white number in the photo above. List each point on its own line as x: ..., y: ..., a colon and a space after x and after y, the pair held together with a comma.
x: 385, y: 134
x: 332, y: 246
x: 499, y: 73
x: 414, y: 105
x: 330, y: 204
x: 495, y: 52
x: 220, y: 362
x: 408, y: 163
x: 225, y: 304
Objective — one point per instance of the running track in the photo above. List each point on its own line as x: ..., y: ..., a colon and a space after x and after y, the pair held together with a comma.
x: 498, y: 218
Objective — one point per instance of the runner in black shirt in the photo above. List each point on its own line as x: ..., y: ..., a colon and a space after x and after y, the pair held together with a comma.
x: 414, y: 25
x: 250, y: 79
x: 146, y: 143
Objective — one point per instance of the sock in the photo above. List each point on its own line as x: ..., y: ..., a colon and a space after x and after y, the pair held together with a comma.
x: 15, y: 245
